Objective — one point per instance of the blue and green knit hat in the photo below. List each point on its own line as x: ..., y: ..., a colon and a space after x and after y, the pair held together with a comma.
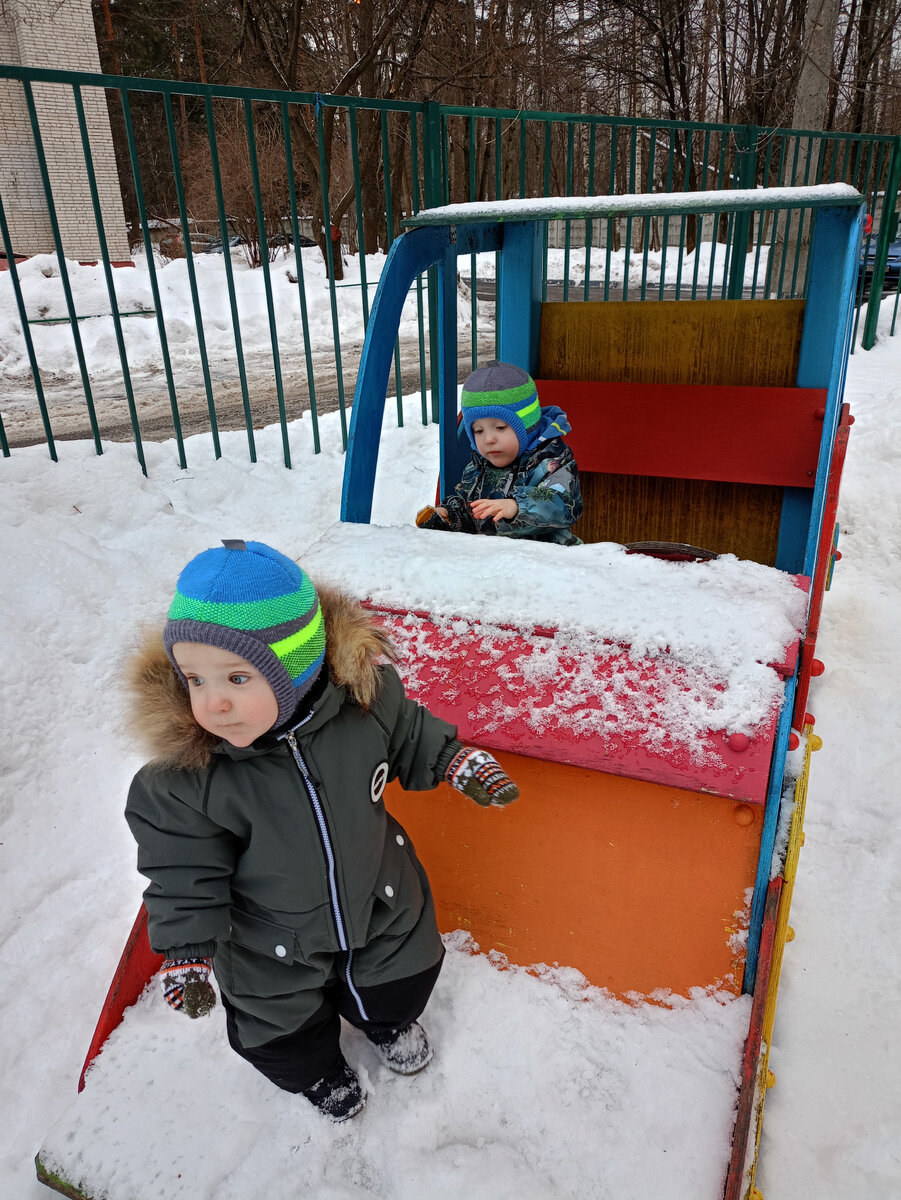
x: 506, y: 393
x: 253, y: 601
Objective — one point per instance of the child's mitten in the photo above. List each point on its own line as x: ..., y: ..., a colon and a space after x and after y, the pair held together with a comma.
x: 430, y: 518
x: 478, y: 775
x: 185, y: 983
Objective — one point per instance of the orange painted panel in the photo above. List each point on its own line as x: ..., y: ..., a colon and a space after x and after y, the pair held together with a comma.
x: 636, y: 884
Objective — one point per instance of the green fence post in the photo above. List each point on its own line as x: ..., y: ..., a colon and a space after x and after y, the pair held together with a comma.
x: 267, y: 276
x: 330, y: 262
x: 358, y: 207
x: 889, y: 204
x: 433, y: 193
x: 417, y: 204
x: 151, y: 275
x: 108, y: 272
x: 592, y: 145
x: 746, y: 177
x: 224, y: 232
x: 192, y: 278
x: 26, y: 337
x: 298, y: 264
x: 61, y: 262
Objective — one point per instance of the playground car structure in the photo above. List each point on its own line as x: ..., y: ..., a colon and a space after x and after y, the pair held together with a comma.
x: 701, y: 428
x: 716, y: 424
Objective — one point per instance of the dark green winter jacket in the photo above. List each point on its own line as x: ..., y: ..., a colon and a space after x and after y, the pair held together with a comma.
x: 278, y: 857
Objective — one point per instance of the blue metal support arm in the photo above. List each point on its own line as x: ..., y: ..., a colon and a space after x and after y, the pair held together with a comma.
x: 410, y: 255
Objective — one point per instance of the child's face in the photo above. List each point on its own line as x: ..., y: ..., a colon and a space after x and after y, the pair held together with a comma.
x: 229, y: 697
x: 496, y: 441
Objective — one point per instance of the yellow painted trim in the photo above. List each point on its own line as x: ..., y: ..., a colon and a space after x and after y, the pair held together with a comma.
x: 790, y: 870
x: 759, y: 1101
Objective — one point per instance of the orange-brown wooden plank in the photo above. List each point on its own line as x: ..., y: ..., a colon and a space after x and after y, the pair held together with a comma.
x: 740, y: 342
x: 635, y: 884
x: 728, y: 518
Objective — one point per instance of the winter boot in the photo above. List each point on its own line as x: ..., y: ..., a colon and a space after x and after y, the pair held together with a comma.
x: 337, y: 1095
x: 405, y: 1050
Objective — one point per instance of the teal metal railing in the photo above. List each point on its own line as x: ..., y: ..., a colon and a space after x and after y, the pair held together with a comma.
x: 367, y: 165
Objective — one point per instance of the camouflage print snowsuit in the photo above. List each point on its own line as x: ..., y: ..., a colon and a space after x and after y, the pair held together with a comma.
x: 544, y: 483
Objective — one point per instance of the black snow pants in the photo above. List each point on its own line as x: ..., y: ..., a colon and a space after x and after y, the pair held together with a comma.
x: 298, y: 1060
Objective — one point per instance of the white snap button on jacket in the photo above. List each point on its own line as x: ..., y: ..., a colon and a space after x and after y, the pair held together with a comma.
x: 389, y: 890
x: 399, y: 840
x: 281, y: 951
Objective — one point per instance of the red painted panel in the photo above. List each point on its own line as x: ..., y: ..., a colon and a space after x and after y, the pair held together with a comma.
x: 592, y: 708
x: 137, y: 966
x: 735, y: 1180
x: 765, y: 435
x: 824, y: 559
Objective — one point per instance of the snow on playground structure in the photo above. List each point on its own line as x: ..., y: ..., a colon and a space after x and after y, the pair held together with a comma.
x: 652, y: 711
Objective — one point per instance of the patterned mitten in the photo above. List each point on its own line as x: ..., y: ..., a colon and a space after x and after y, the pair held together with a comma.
x: 185, y: 983
x: 478, y: 775
x: 428, y: 518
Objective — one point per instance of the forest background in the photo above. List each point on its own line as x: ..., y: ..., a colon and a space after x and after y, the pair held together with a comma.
x: 803, y: 64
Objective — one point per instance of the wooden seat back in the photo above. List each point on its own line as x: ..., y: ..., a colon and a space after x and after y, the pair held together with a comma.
x: 687, y: 426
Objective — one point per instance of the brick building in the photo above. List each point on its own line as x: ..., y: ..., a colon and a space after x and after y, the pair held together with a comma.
x: 58, y: 34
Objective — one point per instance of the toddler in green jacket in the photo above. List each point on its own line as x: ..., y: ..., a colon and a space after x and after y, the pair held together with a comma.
x: 275, y: 724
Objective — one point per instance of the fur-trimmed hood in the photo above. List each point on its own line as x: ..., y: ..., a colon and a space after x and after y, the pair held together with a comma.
x: 160, y: 708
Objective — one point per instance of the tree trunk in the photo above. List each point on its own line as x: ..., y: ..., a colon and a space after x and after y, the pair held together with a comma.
x: 811, y: 106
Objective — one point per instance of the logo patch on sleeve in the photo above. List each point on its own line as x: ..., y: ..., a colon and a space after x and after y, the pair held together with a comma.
x: 377, y: 782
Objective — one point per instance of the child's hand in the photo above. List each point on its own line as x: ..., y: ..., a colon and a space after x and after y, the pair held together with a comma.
x: 425, y: 515
x: 478, y: 775
x: 185, y: 983
x: 500, y: 510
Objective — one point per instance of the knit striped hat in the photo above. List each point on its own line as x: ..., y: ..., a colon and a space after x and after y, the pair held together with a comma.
x: 506, y: 393
x: 249, y: 599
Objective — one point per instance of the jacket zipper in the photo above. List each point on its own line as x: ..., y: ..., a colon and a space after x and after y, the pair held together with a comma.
x: 325, y: 837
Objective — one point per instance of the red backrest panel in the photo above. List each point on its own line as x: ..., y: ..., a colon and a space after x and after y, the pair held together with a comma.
x: 768, y: 435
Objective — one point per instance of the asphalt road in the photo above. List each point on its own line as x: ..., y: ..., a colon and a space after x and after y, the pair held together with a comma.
x: 68, y: 410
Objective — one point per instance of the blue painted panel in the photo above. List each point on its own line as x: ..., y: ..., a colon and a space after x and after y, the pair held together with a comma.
x: 825, y: 343
x: 794, y: 523
x: 519, y: 295
x: 476, y: 239
x: 768, y: 834
x: 449, y: 469
x: 826, y: 338
x: 409, y: 255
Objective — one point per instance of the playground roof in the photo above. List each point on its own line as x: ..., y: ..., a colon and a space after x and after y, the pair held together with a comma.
x: 549, y: 208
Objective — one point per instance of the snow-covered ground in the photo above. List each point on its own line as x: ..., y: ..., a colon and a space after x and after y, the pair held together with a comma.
x: 538, y: 1089
x: 44, y: 297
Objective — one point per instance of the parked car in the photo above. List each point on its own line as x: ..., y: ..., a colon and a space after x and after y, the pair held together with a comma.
x: 281, y: 240
x: 892, y: 262
x: 215, y: 246
x: 277, y: 239
x: 869, y: 251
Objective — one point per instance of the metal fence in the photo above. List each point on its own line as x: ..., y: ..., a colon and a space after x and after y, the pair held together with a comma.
x: 266, y: 169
